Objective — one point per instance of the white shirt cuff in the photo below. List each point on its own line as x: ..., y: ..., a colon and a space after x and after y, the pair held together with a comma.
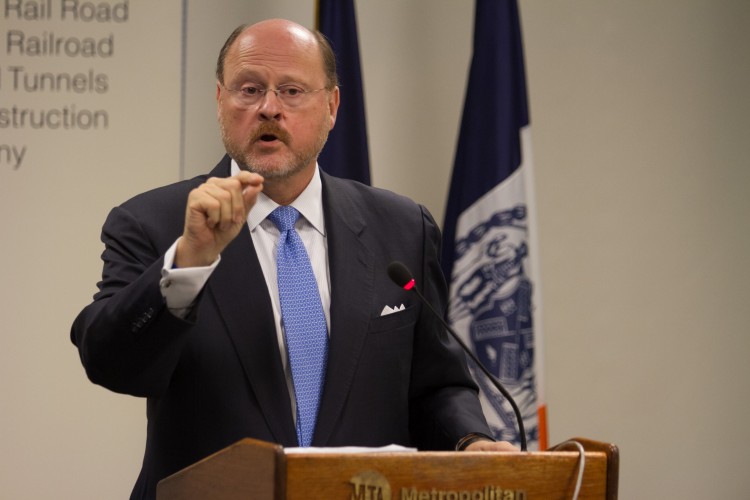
x: 180, y: 286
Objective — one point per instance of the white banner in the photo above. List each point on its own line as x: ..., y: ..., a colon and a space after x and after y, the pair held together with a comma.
x: 89, y: 116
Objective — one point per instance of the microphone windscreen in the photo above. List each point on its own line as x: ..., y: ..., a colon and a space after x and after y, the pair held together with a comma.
x: 399, y: 273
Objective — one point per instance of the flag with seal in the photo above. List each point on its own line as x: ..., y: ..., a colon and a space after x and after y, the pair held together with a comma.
x: 489, y: 254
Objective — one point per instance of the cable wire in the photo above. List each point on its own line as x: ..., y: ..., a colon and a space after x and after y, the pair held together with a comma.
x: 581, y: 464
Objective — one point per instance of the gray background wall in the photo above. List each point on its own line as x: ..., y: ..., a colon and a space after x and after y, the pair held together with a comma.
x: 640, y: 126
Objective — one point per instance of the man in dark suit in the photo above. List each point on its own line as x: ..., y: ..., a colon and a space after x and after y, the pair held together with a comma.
x: 188, y: 312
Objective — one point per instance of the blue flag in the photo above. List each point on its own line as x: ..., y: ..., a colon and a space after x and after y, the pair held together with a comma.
x: 346, y: 153
x: 490, y: 242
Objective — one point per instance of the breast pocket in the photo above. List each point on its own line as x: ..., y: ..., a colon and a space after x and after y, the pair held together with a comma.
x: 395, y: 320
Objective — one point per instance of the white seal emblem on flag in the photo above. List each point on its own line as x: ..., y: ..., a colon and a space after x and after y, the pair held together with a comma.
x: 491, y: 305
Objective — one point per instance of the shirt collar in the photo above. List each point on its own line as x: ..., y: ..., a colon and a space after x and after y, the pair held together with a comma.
x: 309, y: 203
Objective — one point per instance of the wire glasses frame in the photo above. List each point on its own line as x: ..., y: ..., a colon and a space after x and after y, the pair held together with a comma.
x: 251, y: 95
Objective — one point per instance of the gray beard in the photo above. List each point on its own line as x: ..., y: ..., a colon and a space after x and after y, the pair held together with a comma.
x: 252, y: 163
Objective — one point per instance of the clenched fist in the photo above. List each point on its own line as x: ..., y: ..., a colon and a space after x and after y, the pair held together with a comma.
x: 216, y: 212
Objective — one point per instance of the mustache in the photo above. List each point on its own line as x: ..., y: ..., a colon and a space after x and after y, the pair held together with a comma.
x: 270, y: 129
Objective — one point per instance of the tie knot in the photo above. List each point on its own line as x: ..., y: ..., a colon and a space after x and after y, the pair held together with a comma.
x: 284, y: 217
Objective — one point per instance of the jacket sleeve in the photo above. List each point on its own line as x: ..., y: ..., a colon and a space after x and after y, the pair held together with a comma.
x: 127, y: 339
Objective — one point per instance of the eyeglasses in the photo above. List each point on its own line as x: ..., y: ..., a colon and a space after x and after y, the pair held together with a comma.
x: 251, y: 94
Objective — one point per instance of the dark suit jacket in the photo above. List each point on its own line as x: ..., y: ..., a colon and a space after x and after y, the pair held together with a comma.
x: 216, y: 376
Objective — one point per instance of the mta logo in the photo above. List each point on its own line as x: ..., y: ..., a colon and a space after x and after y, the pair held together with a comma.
x: 370, y: 485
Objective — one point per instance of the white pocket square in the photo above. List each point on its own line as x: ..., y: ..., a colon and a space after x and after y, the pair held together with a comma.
x: 390, y: 310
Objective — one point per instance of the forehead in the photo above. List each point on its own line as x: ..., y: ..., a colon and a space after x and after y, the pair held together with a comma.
x: 288, y: 52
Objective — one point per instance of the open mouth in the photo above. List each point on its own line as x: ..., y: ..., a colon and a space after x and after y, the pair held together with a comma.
x: 269, y: 134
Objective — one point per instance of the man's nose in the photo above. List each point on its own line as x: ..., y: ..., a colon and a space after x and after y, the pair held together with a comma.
x: 270, y: 105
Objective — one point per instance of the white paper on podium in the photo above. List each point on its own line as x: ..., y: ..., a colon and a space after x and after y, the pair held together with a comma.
x: 391, y: 448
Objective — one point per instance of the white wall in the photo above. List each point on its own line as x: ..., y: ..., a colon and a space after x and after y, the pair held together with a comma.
x: 640, y: 124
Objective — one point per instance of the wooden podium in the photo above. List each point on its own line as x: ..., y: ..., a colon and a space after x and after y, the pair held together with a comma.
x: 251, y: 469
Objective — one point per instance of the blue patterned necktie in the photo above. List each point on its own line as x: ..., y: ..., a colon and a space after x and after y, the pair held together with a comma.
x: 303, y: 319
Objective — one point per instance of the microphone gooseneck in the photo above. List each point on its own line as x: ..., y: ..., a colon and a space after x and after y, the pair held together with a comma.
x: 400, y: 275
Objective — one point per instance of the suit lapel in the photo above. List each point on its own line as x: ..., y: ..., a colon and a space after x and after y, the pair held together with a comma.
x: 351, y: 271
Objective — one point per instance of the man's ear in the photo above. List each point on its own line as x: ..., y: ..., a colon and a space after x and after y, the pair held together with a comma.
x: 333, y: 104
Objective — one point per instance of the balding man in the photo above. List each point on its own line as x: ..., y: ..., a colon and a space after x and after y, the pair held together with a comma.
x: 211, y: 309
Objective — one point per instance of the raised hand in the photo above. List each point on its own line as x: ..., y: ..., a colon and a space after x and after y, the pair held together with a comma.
x: 216, y: 212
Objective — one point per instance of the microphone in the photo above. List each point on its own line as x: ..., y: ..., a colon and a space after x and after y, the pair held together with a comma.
x: 401, y: 276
